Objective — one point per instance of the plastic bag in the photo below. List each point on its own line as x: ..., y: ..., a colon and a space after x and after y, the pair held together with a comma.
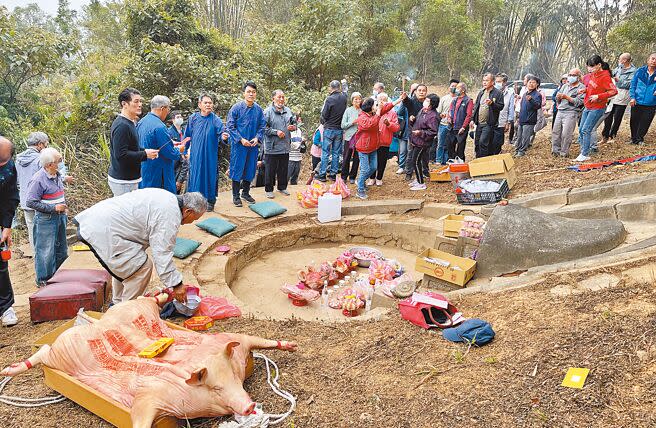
x: 310, y: 197
x: 217, y: 308
x: 340, y: 188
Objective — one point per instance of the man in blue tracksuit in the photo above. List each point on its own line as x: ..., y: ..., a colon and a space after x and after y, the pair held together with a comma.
x: 159, y: 172
x: 643, y: 100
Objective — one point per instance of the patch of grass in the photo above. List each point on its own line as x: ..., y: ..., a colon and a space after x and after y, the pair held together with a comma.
x: 491, y: 360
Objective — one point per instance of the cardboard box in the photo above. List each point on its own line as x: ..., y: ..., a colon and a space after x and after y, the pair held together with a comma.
x: 494, y: 167
x: 440, y: 174
x: 455, y: 276
x: 451, y: 225
x: 432, y: 283
x: 103, y: 406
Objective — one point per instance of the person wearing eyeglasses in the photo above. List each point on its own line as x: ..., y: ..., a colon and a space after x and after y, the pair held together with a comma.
x: 153, y: 134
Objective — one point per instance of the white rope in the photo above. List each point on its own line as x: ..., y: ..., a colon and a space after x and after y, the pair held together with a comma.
x: 26, y: 402
x: 259, y: 419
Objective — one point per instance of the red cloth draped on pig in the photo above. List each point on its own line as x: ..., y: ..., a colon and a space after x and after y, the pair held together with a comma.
x: 200, y: 375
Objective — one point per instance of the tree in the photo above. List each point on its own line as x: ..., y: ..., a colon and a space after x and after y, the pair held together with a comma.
x: 636, y: 33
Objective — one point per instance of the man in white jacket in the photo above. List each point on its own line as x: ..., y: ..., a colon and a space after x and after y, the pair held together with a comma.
x: 119, y: 230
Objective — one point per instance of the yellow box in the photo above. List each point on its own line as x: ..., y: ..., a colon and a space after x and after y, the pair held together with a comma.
x: 494, y: 167
x: 156, y: 348
x: 451, y: 225
x: 455, y: 276
x: 100, y: 404
x: 440, y: 174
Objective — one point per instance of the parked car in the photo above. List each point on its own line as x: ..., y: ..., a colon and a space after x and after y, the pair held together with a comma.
x: 549, y: 89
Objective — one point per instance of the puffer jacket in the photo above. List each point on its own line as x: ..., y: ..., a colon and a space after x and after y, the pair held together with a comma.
x: 601, y: 84
x: 386, y: 132
x: 426, y: 124
x: 368, y: 139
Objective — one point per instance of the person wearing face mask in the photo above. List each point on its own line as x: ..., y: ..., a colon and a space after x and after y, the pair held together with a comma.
x: 368, y: 141
x: 460, y: 114
x: 489, y: 104
x: 160, y: 172
x: 45, y: 195
x: 506, y: 115
x: 531, y: 102
x: 643, y: 100
x: 280, y: 123
x: 120, y: 230
x: 443, y: 113
x: 569, y: 102
x: 203, y: 136
x: 622, y: 76
x: 27, y: 164
x: 181, y: 166
x: 379, y: 88
x: 350, y: 158
x: 423, y: 132
x: 9, y: 199
x: 599, y: 87
x: 414, y: 103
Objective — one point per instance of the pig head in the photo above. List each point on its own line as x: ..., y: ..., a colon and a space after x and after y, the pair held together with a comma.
x: 221, y: 377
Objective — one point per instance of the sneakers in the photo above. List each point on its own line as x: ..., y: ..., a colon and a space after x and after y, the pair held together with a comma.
x: 285, y: 192
x: 9, y: 318
x: 413, y: 183
x: 237, y: 202
x: 322, y: 179
x: 418, y: 187
x: 361, y: 195
x: 269, y: 195
x: 400, y: 171
x: 582, y: 158
x: 352, y: 181
x: 379, y: 182
x: 332, y: 177
x: 520, y: 154
x: 210, y: 207
x: 369, y: 182
x: 248, y: 198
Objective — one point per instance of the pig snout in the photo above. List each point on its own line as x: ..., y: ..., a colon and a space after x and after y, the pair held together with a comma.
x: 243, y: 405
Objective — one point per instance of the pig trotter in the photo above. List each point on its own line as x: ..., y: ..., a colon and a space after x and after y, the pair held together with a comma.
x: 142, y: 413
x: 18, y: 368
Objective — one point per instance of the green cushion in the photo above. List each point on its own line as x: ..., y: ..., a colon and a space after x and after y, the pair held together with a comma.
x: 184, y: 247
x: 216, y: 226
x: 268, y: 209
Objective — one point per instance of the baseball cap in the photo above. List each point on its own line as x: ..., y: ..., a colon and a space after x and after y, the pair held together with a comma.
x: 473, y: 330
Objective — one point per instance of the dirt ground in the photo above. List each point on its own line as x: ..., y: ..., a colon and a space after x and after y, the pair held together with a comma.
x: 393, y: 374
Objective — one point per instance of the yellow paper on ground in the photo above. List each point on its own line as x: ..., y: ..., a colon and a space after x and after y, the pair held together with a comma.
x: 575, y: 377
x: 80, y: 247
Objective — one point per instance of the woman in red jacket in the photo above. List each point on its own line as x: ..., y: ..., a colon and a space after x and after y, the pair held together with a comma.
x: 599, y: 87
x: 387, y: 126
x: 368, y: 141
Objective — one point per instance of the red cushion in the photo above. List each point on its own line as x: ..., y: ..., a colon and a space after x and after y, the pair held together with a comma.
x: 62, y: 300
x: 84, y: 276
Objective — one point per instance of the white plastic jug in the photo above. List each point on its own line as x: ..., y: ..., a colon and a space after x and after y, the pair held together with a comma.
x: 330, y: 207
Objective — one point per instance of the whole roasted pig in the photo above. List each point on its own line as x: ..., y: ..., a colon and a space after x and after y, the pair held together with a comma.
x: 199, y: 375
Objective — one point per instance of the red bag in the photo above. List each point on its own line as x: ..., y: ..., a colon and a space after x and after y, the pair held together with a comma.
x: 217, y: 308
x: 430, y: 310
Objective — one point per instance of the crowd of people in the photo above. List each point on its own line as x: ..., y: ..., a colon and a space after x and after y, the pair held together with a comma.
x: 174, y: 168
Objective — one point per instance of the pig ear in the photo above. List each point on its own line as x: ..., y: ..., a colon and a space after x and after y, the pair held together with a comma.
x: 230, y: 348
x: 197, y: 377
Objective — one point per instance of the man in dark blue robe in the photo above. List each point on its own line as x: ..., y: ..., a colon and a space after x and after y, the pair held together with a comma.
x: 245, y: 125
x: 206, y: 131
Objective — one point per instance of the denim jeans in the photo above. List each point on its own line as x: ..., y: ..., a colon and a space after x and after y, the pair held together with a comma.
x: 331, y: 145
x: 368, y: 164
x: 403, y: 152
x: 588, y: 123
x: 442, y: 151
x: 50, y: 248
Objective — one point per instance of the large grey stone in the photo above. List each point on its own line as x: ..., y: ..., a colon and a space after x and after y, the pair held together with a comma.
x: 518, y: 238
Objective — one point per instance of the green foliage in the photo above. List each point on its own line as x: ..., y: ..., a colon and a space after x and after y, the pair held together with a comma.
x: 637, y: 33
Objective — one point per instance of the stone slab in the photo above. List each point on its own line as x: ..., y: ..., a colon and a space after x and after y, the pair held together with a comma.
x: 557, y: 197
x: 518, y: 238
x: 639, y: 185
x: 387, y: 206
x: 638, y: 209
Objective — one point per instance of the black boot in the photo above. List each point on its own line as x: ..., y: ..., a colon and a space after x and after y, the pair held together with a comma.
x: 235, y: 194
x: 245, y: 192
